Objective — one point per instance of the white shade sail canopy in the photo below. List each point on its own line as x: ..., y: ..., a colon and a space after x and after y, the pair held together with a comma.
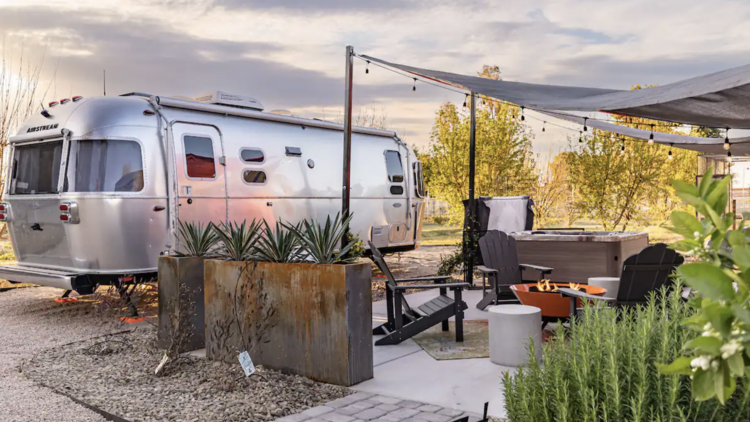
x: 720, y: 99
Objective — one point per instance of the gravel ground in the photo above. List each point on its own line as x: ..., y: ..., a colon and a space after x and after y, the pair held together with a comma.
x: 422, y: 262
x: 119, y: 378
x: 31, y: 322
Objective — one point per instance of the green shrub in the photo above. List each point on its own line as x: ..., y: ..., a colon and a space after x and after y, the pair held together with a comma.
x: 449, y: 263
x: 237, y: 241
x: 278, y: 245
x: 439, y: 219
x: 720, y: 357
x: 197, y: 239
x: 322, y: 243
x: 604, y: 368
x: 357, y: 249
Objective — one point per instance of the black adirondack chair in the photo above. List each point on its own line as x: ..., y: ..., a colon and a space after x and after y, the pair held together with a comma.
x: 501, y: 265
x: 642, y: 273
x: 404, y: 321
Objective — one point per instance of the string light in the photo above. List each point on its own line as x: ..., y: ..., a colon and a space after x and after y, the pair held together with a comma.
x: 367, y: 68
x: 585, y: 128
x: 414, y: 88
x: 729, y: 156
x: 465, y: 99
x: 580, y: 137
x: 651, y: 137
x: 726, y: 141
x: 670, y: 152
x: 544, y: 124
x: 622, y: 148
x: 522, y: 116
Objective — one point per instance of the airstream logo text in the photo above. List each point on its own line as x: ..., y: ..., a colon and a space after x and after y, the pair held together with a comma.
x: 41, y: 128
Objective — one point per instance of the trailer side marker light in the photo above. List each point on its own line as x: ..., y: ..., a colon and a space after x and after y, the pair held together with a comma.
x: 148, y: 113
x: 77, y: 98
x: 53, y: 103
x: 65, y: 101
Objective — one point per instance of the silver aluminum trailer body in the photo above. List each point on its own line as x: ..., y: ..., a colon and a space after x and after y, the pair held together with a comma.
x: 94, y: 191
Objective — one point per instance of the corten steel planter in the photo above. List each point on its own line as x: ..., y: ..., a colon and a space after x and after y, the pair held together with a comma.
x: 316, y: 320
x: 181, y: 314
x: 553, y: 305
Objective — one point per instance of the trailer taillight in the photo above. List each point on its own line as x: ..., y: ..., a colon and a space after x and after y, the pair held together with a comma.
x: 4, y: 211
x: 69, y: 213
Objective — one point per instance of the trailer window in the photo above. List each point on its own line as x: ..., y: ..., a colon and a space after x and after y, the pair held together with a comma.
x: 199, y: 157
x: 254, y: 177
x: 393, y: 165
x: 252, y: 156
x: 36, y: 168
x: 106, y: 165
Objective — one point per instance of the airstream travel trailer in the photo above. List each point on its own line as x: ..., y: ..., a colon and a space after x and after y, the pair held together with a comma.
x: 96, y: 186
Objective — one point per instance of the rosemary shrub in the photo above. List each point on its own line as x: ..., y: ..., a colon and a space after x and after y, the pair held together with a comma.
x: 604, y: 368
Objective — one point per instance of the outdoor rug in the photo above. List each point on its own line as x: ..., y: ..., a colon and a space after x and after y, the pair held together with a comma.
x: 441, y: 345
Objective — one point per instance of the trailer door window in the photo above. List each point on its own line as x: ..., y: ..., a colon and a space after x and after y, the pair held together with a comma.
x: 393, y: 165
x: 36, y: 168
x: 199, y: 157
x: 106, y: 165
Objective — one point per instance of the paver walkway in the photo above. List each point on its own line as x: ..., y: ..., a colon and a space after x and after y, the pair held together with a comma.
x: 367, y: 407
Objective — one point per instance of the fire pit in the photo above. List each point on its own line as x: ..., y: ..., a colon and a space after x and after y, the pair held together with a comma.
x: 544, y: 296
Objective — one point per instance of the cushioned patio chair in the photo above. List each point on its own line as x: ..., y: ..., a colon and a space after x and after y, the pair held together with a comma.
x: 404, y: 321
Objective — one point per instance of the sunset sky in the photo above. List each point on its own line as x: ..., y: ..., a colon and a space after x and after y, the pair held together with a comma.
x: 290, y: 53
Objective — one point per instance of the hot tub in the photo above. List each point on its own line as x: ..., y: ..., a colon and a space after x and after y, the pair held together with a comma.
x: 578, y: 255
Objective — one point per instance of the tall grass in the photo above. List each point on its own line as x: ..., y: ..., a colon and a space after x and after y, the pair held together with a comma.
x: 604, y: 369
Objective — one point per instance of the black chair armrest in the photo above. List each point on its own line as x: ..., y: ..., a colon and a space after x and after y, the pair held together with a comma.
x: 543, y: 270
x: 433, y: 286
x: 437, y: 278
x: 583, y: 295
x: 486, y: 270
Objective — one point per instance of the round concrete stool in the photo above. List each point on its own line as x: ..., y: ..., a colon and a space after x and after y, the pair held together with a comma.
x: 511, y: 328
x: 612, y: 284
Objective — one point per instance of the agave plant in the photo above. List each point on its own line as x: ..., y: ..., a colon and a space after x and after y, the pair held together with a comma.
x: 321, y: 242
x: 197, y: 239
x: 237, y: 241
x: 279, y: 245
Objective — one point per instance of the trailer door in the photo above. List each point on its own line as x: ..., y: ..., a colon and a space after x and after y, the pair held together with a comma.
x: 199, y: 163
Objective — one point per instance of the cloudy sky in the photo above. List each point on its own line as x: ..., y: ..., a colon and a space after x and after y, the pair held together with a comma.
x: 290, y: 53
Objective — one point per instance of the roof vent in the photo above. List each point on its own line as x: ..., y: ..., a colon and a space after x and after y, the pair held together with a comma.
x: 231, y: 100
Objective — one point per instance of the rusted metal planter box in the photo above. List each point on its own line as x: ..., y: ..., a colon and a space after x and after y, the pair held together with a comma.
x: 304, y: 319
x: 181, y: 313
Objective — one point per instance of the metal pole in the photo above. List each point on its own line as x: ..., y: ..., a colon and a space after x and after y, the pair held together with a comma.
x: 347, y: 139
x: 470, y: 225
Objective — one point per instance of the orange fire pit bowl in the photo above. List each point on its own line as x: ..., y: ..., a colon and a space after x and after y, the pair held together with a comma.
x: 552, y: 304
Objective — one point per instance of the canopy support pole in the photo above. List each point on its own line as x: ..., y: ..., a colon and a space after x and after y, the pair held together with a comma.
x: 470, y: 225
x: 346, y: 188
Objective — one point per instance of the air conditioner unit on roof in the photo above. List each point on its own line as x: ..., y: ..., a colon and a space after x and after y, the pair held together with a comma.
x: 232, y: 100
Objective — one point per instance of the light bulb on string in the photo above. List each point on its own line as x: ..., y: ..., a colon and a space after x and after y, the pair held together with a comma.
x: 726, y: 141
x: 651, y: 137
x: 465, y: 99
x: 522, y: 116
x: 580, y: 137
x: 670, y: 152
x: 585, y: 128
x: 367, y: 68
x: 544, y: 124
x: 729, y: 156
x: 414, y: 88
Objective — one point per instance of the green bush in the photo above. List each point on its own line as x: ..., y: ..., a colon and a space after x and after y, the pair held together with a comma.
x: 449, y: 263
x: 604, y: 368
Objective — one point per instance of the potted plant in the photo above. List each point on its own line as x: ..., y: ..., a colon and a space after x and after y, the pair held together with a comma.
x: 297, y: 302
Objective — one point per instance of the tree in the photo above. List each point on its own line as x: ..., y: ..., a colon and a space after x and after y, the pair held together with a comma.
x: 504, y: 164
x: 616, y: 186
x: 549, y: 190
